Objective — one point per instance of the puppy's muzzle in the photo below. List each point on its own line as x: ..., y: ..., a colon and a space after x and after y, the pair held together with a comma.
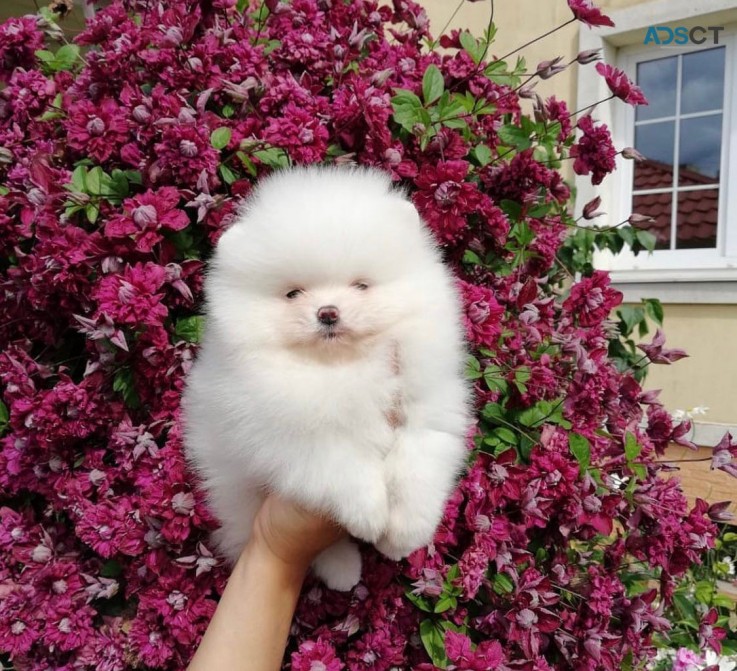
x: 328, y: 315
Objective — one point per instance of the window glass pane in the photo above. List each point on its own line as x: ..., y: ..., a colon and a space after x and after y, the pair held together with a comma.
x: 697, y: 219
x: 659, y: 206
x: 658, y: 81
x: 700, y: 150
x: 655, y: 141
x: 702, y: 82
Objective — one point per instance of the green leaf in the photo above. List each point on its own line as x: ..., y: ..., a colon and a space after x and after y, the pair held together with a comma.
x: 472, y: 258
x: 481, y: 154
x: 227, y: 174
x: 92, y: 212
x: 228, y: 111
x: 4, y: 417
x: 493, y: 411
x: 639, y: 470
x: 474, y: 48
x: 646, y: 239
x: 66, y: 57
x: 540, y: 210
x: 451, y: 109
x: 704, y: 591
x: 271, y: 45
x: 473, y: 368
x: 627, y: 234
x: 497, y: 71
x: 93, y: 181
x: 514, y: 136
x: 45, y: 56
x: 581, y: 450
x: 220, y: 137
x: 511, y: 208
x: 722, y: 601
x: 420, y: 602
x: 111, y: 569
x: 654, y: 309
x: 445, y: 602
x: 522, y: 374
x: 433, y: 84
x: 433, y: 638
x: 117, y: 184
x: 123, y: 384
x: 407, y: 109
x: 632, y: 448
x: 502, y: 584
x: 505, y: 435
x: 631, y: 317
x: 78, y: 178
x: 190, y: 328
x: 134, y: 176
x: 274, y: 157
x: 494, y: 378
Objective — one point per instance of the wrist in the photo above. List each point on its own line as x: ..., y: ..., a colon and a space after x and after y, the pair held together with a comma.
x: 257, y: 555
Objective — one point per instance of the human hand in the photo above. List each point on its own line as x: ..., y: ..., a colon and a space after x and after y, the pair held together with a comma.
x: 290, y: 533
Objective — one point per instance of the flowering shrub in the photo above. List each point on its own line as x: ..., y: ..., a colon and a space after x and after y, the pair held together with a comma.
x: 122, y: 158
x: 703, y: 610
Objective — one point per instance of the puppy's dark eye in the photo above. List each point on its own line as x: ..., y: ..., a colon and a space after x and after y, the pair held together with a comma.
x: 294, y: 293
x: 361, y: 286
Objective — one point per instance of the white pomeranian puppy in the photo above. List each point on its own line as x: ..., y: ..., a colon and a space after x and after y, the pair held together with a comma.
x: 331, y: 369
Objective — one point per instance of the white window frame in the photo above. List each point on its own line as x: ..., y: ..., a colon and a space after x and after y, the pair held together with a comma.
x: 623, y: 45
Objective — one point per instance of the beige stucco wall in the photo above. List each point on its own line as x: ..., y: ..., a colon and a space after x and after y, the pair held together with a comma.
x: 707, y: 332
x: 709, y: 376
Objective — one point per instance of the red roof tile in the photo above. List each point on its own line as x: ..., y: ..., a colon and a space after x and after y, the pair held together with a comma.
x: 697, y: 210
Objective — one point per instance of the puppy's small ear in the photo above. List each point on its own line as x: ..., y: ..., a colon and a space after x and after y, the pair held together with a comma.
x: 408, y: 210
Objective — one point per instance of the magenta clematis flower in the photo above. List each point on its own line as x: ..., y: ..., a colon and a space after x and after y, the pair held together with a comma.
x: 658, y: 354
x: 592, y: 299
x: 723, y: 457
x: 146, y: 217
x: 709, y: 634
x: 99, y: 129
x: 621, y: 85
x: 594, y: 152
x: 586, y: 12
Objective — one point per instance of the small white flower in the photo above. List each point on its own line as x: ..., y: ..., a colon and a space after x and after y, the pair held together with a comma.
x: 726, y: 663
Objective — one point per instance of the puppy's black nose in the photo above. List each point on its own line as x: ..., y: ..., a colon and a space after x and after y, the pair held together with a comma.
x: 328, y: 315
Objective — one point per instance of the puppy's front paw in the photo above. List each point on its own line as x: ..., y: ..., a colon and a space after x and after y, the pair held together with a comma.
x: 339, y: 566
x: 369, y: 515
x: 403, y: 536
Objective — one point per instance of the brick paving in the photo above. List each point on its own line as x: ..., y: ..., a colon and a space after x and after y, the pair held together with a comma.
x: 699, y: 481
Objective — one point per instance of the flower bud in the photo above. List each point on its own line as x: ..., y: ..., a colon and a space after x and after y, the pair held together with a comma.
x: 635, y: 219
x: 632, y: 153
x: 183, y: 503
x: 145, y: 215
x: 96, y: 126
x: 392, y: 156
x: 588, y: 56
x: 188, y: 149
x: 546, y: 69
x: 36, y: 196
x: 41, y: 554
x: 591, y: 209
x: 526, y: 90
x: 141, y: 114
x: 173, y: 36
x: 719, y: 512
x: 378, y: 78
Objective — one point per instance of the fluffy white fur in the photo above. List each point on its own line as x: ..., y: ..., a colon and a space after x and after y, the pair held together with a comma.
x: 277, y: 401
